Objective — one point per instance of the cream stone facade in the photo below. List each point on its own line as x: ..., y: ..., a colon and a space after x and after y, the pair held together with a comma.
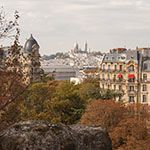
x: 122, y: 71
x: 29, y: 60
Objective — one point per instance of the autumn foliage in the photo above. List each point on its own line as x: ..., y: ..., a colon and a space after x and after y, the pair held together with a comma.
x: 128, y: 128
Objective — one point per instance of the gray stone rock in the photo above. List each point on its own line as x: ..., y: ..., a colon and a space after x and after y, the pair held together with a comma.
x: 41, y: 135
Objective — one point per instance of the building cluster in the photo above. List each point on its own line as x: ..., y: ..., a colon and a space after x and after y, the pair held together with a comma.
x: 29, y: 60
x: 123, y: 71
x: 79, y: 65
x: 127, y: 72
x: 83, y: 58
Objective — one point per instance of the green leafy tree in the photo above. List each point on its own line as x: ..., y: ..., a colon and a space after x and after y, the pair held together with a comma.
x: 67, y: 103
x: 34, y: 98
x: 88, y: 91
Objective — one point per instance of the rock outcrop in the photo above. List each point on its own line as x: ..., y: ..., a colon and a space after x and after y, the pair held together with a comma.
x: 41, y: 135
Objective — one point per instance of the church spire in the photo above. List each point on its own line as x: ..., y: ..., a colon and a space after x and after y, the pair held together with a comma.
x: 85, y: 46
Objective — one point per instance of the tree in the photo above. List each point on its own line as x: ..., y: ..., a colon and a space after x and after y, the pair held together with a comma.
x: 127, y: 130
x: 53, y: 101
x: 11, y: 86
x: 7, y: 27
x: 88, y: 91
x: 10, y: 72
x: 67, y: 104
x: 104, y: 113
x: 34, y: 99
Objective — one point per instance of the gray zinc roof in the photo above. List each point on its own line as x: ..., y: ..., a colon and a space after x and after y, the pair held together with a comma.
x: 146, y: 65
x: 30, y: 43
x: 58, y: 68
x: 121, y: 57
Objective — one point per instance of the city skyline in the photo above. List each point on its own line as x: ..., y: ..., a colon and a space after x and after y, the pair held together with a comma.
x: 104, y: 24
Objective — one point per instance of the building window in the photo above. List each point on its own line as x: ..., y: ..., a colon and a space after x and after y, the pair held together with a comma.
x: 131, y: 99
x: 120, y: 87
x: 120, y: 77
x: 144, y: 87
x: 120, y: 67
x: 144, y: 76
x: 114, y: 77
x: 114, y: 87
x: 131, y: 68
x: 103, y: 86
x: 122, y: 57
x: 145, y: 66
x: 108, y: 76
x: 115, y: 67
x: 144, y: 98
x: 131, y: 78
x: 103, y: 76
x: 108, y: 87
x: 131, y: 88
x: 108, y: 67
x: 103, y: 67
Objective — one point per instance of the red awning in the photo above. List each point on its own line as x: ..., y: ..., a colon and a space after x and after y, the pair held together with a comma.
x: 131, y: 76
x: 120, y: 75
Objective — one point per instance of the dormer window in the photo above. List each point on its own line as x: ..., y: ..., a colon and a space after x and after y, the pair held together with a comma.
x: 123, y: 57
x: 132, y: 57
x: 145, y: 66
x: 131, y: 68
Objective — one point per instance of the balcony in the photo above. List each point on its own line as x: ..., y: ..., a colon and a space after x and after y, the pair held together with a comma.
x: 113, y: 70
x: 131, y: 80
x: 144, y: 92
x: 120, y: 80
x: 145, y: 80
x: 102, y: 79
x: 132, y: 92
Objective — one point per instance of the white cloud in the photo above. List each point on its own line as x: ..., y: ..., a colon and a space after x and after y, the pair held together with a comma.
x: 104, y: 23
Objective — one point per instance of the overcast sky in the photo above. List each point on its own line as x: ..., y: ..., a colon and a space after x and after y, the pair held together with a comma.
x: 104, y: 24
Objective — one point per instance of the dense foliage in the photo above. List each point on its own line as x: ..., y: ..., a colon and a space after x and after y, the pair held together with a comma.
x: 54, y: 101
